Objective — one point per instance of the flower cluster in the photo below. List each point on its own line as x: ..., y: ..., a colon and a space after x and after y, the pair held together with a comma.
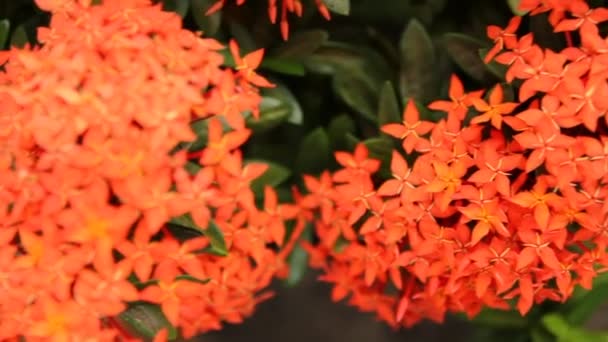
x: 498, y: 203
x: 95, y: 182
x: 287, y: 6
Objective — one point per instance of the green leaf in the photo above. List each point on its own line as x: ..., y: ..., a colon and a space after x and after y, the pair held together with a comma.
x: 388, y: 107
x: 351, y: 141
x: 580, y: 310
x: 284, y: 66
x: 274, y: 175
x: 341, y: 7
x: 298, y: 259
x: 282, y: 92
x: 145, y: 320
x: 501, y: 319
x: 314, y: 153
x: 209, y: 24
x: 302, y: 44
x: 178, y: 6
x: 558, y: 326
x: 273, y: 112
x: 212, y: 232
x: 19, y: 37
x: 243, y: 37
x: 464, y: 51
x: 514, y: 6
x: 381, y: 148
x: 337, y: 129
x: 188, y: 277
x: 496, y: 68
x: 4, y: 29
x: 356, y: 93
x: 417, y: 78
x: 216, y: 237
x: 333, y: 57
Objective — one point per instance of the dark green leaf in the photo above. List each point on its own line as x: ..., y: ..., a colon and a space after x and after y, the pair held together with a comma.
x: 4, y: 28
x: 275, y: 175
x: 356, y: 93
x: 501, y: 319
x: 284, y: 66
x: 302, y: 44
x: 243, y: 37
x: 192, y: 168
x: 381, y: 148
x: 338, y: 6
x: 188, y: 277
x: 351, y: 141
x: 178, y: 6
x: 213, y: 232
x: 334, y: 56
x: 314, y: 153
x: 282, y: 92
x: 464, y: 51
x: 209, y: 24
x: 298, y: 259
x: 145, y: 320
x: 19, y: 37
x: 273, y: 112
x: 388, y: 107
x: 417, y: 78
x: 216, y: 237
x: 339, y: 126
x: 496, y: 68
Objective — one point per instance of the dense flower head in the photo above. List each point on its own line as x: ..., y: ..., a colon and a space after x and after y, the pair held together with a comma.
x: 501, y: 202
x: 286, y: 7
x: 105, y: 200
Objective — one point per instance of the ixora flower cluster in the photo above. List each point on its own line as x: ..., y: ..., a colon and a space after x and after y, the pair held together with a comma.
x: 499, y: 203
x: 92, y: 178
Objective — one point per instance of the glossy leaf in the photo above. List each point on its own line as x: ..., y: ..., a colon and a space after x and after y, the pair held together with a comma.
x: 178, y: 6
x: 284, y: 66
x: 274, y: 176
x: 501, y: 319
x: 314, y: 153
x: 356, y: 93
x: 273, y: 112
x: 4, y: 29
x: 464, y: 51
x: 302, y: 44
x: 564, y: 332
x: 341, y: 7
x: 19, y: 37
x: 381, y: 148
x: 339, y: 126
x: 417, y: 77
x: 209, y: 24
x: 497, y: 69
x: 213, y: 232
x: 298, y: 259
x: 388, y: 106
x: 145, y: 320
x: 580, y: 310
